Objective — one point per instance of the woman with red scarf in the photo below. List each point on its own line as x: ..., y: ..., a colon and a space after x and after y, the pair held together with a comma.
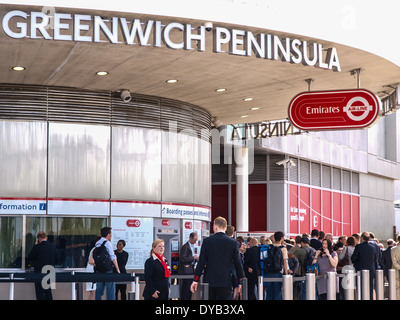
x: 156, y: 273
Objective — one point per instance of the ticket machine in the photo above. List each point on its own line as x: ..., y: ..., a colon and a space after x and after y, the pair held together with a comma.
x: 169, y: 231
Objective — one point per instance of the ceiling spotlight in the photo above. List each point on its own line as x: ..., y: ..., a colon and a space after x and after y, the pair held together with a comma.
x: 255, y: 108
x: 248, y: 99
x: 171, y: 81
x: 221, y: 90
x: 102, y: 73
x: 126, y: 95
x: 18, y: 68
x: 244, y: 117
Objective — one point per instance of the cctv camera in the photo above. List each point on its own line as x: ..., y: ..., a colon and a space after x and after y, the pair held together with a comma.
x: 208, y: 26
x: 126, y: 95
x: 283, y: 162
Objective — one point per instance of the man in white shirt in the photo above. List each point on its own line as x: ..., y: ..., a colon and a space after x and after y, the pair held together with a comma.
x: 106, y: 235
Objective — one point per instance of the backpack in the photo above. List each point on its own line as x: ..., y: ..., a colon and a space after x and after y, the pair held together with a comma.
x: 310, y: 255
x: 309, y: 267
x: 264, y: 249
x: 274, y: 261
x: 102, y: 259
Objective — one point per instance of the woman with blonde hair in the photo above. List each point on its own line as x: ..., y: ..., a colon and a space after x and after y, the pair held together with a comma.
x: 156, y: 273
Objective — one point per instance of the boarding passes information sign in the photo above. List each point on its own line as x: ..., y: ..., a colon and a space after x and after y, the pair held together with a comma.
x: 330, y: 110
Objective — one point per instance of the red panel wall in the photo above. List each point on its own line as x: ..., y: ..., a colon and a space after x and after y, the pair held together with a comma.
x: 336, y: 214
x: 309, y: 209
x: 315, y: 209
x: 257, y: 207
x: 293, y: 209
x: 219, y: 201
x: 326, y: 211
x: 355, y: 214
x: 346, y: 213
x: 304, y: 212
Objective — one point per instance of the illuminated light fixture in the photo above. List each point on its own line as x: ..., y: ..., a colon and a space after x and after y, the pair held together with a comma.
x: 102, y: 73
x: 171, y: 81
x: 221, y: 90
x: 248, y: 99
x: 255, y: 108
x: 18, y: 68
x: 244, y: 117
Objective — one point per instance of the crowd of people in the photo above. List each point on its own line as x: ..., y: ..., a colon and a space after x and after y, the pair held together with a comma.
x: 225, y: 260
x: 319, y: 253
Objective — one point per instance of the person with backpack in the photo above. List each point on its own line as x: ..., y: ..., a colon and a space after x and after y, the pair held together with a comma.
x: 305, y: 254
x: 104, y: 260
x: 276, y: 266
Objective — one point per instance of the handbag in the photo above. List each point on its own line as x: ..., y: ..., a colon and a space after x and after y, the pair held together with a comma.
x: 344, y: 262
x: 314, y: 268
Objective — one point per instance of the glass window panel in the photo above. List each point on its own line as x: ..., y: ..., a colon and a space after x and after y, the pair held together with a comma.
x: 79, y: 161
x: 23, y: 151
x: 72, y: 237
x: 10, y: 242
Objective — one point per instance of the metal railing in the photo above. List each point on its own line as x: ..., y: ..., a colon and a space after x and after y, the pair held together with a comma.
x: 356, y: 285
x: 73, y: 277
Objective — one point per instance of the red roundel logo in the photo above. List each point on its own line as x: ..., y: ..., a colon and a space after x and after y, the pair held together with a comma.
x: 133, y: 223
x: 329, y: 110
x: 188, y: 225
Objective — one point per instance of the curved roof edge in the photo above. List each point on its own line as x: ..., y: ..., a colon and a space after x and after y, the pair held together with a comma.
x: 367, y: 25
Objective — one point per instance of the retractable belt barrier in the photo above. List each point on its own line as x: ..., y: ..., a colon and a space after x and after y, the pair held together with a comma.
x: 73, y: 276
x: 355, y: 284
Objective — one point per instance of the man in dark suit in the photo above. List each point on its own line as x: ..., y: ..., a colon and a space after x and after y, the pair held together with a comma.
x: 252, y: 267
x: 314, y: 242
x: 216, y: 256
x: 187, y: 259
x: 364, y: 258
x: 42, y: 254
x: 386, y: 260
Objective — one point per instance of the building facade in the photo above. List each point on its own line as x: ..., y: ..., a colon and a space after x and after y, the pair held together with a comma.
x: 107, y: 117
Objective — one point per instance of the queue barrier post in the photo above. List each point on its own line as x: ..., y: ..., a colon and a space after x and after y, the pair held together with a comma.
x: 260, y: 287
x: 348, y: 284
x: 287, y: 287
x: 392, y: 284
x: 11, y: 288
x: 310, y: 286
x: 365, y: 292
x: 73, y: 288
x: 379, y: 285
x: 331, y: 286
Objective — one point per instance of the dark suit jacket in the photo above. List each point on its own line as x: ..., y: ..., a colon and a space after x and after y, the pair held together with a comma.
x: 216, y: 256
x: 252, y: 260
x: 364, y: 257
x: 315, y: 243
x: 154, y: 275
x: 386, y: 260
x: 378, y: 251
x: 42, y: 254
x: 186, y: 260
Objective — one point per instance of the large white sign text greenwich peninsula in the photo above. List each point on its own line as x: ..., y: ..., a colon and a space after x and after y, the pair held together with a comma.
x: 80, y: 27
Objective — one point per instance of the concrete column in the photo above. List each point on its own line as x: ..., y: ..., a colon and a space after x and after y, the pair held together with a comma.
x: 242, y: 188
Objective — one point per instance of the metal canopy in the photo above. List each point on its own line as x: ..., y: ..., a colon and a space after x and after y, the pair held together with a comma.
x: 145, y: 69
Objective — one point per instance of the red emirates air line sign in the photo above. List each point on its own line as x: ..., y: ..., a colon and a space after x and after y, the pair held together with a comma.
x: 329, y: 110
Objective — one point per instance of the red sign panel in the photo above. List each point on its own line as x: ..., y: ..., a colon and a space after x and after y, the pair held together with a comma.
x: 329, y: 110
x: 133, y: 223
x: 166, y: 222
x: 188, y: 225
